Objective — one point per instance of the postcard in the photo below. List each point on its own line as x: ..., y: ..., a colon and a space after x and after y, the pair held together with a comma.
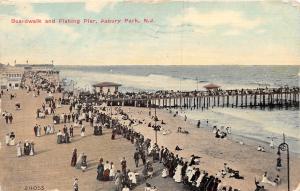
x: 149, y: 95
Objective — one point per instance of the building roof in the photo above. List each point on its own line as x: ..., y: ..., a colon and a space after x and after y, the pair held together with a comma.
x: 211, y: 86
x: 106, y: 84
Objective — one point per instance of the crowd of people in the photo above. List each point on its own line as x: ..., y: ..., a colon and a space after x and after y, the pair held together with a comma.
x: 186, y: 171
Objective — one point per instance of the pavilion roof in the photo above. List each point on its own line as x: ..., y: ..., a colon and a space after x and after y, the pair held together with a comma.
x: 106, y: 84
x: 211, y: 86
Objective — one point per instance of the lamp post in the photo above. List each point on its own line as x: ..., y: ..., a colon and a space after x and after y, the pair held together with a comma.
x: 111, y: 113
x: 285, y: 147
x: 155, y: 119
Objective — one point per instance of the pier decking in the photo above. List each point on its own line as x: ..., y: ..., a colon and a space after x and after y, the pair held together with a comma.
x: 252, y: 98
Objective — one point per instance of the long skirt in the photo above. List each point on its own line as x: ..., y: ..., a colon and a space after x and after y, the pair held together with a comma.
x: 19, y: 152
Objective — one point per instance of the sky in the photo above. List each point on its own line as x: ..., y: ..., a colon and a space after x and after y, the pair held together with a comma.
x: 189, y: 32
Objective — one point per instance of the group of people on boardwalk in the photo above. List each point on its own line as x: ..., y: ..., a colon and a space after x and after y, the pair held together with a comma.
x: 65, y: 136
x: 105, y: 171
x: 79, y: 162
x: 28, y: 148
x: 8, y: 117
x: 48, y: 129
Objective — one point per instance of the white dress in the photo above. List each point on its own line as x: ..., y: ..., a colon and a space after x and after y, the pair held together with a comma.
x: 267, y: 181
x: 272, y: 144
x: 165, y: 173
x: 19, y: 150
x: 31, y: 152
x: 112, y: 171
x: 177, y: 177
x: 132, y: 177
x: 12, y: 142
x: 198, y: 181
x: 7, y: 140
x: 38, y: 132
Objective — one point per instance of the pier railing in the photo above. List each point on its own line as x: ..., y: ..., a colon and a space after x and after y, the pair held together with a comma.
x: 252, y: 98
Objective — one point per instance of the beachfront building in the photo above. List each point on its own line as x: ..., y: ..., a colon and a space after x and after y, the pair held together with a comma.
x: 36, y: 67
x: 10, y: 77
x: 106, y: 87
x: 43, y: 70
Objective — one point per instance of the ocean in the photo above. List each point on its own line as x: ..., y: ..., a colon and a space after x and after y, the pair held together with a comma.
x: 252, y: 123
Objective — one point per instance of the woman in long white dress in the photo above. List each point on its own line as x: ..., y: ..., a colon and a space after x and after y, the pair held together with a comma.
x: 177, y: 177
x: 112, y: 171
x: 19, y: 149
x: 198, y: 181
x: 132, y: 177
x: 31, y: 148
x: 165, y: 173
x: 266, y: 180
x: 38, y: 132
x: 12, y: 139
x: 52, y: 130
x: 7, y: 139
x: 78, y: 163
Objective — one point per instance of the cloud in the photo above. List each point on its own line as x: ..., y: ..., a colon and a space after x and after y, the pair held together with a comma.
x: 97, y: 6
x: 232, y: 33
x: 232, y: 19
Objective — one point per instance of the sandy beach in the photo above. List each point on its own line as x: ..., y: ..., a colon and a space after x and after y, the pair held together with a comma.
x: 50, y: 167
x: 215, y: 152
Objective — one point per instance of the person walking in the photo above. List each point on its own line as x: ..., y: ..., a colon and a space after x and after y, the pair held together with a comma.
x: 75, y: 185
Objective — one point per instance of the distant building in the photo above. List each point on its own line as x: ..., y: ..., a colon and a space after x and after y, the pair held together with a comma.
x: 107, y: 87
x: 44, y: 70
x: 10, y: 77
x: 36, y: 67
